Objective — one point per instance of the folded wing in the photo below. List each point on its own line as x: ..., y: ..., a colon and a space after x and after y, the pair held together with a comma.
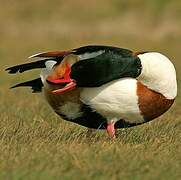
x: 97, y: 65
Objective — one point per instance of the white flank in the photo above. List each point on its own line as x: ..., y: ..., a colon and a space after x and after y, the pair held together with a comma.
x: 90, y: 55
x: 158, y: 74
x: 115, y: 100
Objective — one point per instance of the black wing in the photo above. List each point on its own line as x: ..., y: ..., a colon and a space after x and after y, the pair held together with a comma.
x: 35, y: 84
x: 95, y: 48
x: 113, y: 63
x: 29, y: 66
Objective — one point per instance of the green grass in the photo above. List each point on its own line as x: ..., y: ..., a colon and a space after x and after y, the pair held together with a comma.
x: 34, y: 142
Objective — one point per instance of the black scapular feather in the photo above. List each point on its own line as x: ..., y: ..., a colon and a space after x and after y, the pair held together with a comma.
x: 28, y: 66
x: 104, y: 68
x: 35, y: 84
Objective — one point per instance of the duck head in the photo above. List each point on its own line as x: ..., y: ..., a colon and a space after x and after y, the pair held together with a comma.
x: 61, y: 74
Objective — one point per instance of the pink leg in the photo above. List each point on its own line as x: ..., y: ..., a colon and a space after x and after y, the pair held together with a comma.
x: 111, y: 130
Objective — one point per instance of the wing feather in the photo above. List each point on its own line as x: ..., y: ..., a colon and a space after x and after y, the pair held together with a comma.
x: 51, y: 54
x: 35, y: 84
x: 27, y: 66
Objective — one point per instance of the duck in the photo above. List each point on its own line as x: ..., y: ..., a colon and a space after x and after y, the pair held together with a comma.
x: 103, y: 87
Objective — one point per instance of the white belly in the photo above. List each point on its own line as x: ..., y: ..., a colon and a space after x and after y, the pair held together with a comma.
x: 115, y: 100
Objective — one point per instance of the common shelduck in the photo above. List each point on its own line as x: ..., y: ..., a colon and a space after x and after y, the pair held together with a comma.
x: 104, y: 87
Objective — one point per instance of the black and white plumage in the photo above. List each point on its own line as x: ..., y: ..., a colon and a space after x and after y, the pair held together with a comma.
x: 102, y: 86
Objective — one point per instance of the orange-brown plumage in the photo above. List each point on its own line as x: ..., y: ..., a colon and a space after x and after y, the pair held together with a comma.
x: 151, y: 103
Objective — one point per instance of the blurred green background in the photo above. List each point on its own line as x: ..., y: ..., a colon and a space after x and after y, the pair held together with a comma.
x: 28, y: 27
x: 34, y: 143
x: 31, y: 26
